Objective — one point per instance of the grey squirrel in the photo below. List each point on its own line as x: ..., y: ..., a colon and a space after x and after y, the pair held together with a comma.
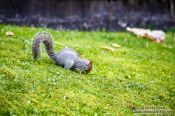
x: 67, y: 57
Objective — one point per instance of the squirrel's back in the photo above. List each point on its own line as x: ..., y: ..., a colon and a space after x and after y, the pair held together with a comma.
x: 66, y: 55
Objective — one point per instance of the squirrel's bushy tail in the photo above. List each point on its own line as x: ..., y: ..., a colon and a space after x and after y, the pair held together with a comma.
x: 45, y: 38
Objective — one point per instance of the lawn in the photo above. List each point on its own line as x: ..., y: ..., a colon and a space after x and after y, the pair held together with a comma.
x: 139, y: 75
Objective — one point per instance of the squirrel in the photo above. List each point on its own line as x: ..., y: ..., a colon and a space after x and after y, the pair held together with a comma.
x: 67, y: 57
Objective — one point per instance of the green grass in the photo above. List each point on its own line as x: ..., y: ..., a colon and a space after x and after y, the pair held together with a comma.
x: 139, y: 74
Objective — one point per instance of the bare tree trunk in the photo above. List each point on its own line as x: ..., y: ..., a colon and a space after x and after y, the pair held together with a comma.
x: 171, y: 8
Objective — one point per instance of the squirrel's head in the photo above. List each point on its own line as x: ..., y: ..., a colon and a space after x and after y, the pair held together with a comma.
x: 84, y: 65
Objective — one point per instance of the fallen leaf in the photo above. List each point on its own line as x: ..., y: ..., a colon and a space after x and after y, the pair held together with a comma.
x: 115, y: 45
x: 108, y: 48
x: 8, y: 33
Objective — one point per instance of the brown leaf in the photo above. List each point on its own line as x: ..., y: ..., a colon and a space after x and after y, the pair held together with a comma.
x: 108, y: 48
x: 8, y: 33
x: 115, y: 45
